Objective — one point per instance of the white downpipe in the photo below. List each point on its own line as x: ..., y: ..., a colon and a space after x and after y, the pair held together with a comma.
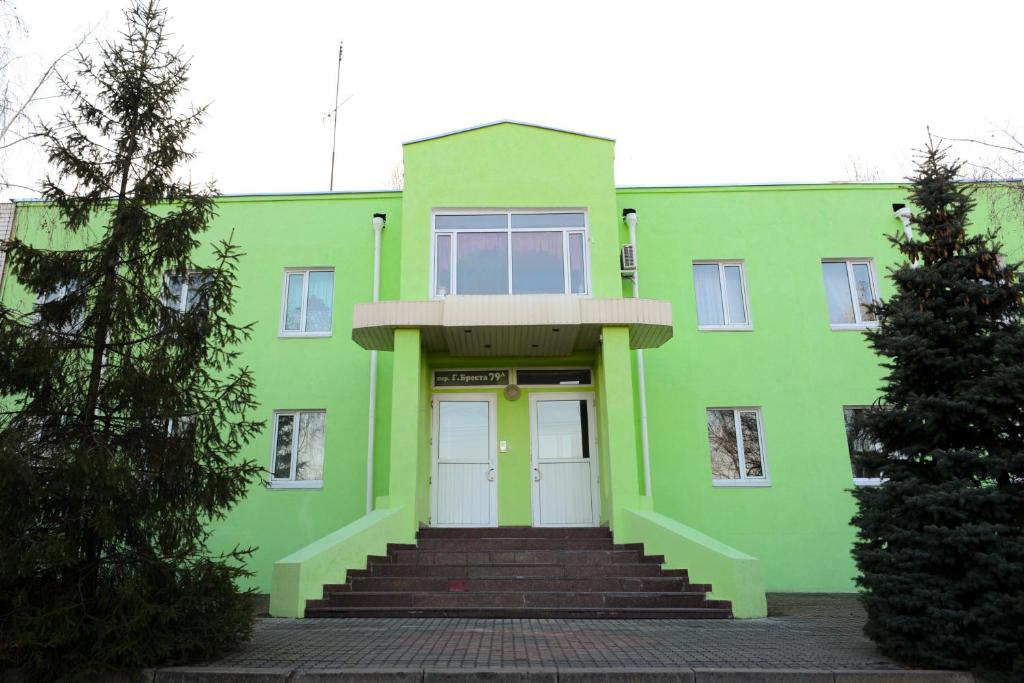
x: 645, y: 445
x: 378, y: 227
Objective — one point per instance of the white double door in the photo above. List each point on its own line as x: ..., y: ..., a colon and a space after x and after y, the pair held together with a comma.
x: 563, y: 460
x: 464, y: 467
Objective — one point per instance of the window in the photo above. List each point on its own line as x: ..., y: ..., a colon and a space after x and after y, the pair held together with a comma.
x: 510, y: 253
x: 737, y: 452
x: 850, y: 288
x: 721, y: 296
x: 552, y: 377
x: 298, y: 456
x: 62, y: 317
x: 857, y: 442
x: 182, y: 293
x: 308, y: 303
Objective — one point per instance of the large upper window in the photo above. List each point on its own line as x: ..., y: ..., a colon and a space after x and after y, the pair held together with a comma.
x: 510, y: 252
x: 850, y: 288
x: 182, y: 293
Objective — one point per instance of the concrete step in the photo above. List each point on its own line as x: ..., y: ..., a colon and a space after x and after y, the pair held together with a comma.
x: 515, y: 532
x: 521, y: 557
x: 414, y: 584
x: 464, y: 545
x: 559, y: 599
x: 554, y: 571
x: 518, y: 613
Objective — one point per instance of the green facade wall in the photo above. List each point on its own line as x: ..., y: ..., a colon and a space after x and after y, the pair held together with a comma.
x: 791, y: 365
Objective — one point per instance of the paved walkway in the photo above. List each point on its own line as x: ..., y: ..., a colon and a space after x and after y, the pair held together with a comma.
x: 803, y: 631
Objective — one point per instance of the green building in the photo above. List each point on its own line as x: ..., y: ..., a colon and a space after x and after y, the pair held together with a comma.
x: 471, y: 352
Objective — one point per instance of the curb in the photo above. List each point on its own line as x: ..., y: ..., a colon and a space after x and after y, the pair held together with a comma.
x: 549, y: 675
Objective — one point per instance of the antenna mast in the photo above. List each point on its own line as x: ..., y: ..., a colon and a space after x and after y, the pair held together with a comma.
x: 337, y: 90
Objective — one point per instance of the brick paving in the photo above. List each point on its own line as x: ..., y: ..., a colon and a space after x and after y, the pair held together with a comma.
x: 803, y: 631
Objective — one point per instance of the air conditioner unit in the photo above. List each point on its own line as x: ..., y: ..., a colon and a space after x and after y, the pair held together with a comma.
x: 627, y: 259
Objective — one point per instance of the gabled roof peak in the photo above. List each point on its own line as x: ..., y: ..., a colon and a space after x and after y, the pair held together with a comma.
x: 503, y: 121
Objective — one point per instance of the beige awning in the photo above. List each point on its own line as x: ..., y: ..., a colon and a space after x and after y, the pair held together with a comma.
x: 516, y: 325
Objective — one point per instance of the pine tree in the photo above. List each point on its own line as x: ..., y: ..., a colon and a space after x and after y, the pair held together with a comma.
x: 941, y: 541
x: 123, y: 405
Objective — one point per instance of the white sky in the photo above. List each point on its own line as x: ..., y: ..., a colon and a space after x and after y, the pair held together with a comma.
x: 694, y: 93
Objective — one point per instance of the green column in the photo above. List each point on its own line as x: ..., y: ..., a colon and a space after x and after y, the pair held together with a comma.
x: 406, y: 396
x: 617, y: 413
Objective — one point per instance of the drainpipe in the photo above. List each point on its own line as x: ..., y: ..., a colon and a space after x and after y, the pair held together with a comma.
x: 629, y: 215
x: 903, y: 213
x: 378, y: 228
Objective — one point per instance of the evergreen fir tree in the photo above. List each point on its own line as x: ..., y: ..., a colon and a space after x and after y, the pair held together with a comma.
x: 123, y: 407
x: 941, y: 541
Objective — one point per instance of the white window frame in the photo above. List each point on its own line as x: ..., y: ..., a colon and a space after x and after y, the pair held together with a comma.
x: 857, y: 481
x: 282, y: 332
x: 728, y: 327
x: 860, y: 323
x: 291, y: 483
x: 508, y: 213
x: 744, y: 480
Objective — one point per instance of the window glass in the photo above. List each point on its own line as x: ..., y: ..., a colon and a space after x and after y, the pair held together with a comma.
x: 463, y: 431
x: 751, y: 444
x: 735, y: 456
x: 482, y: 266
x: 319, y: 301
x: 559, y: 430
x: 537, y: 263
x: 865, y: 295
x: 837, y: 289
x: 283, y: 447
x: 309, y: 463
x: 194, y: 288
x: 857, y: 443
x: 293, y: 302
x: 544, y: 377
x: 173, y: 286
x: 734, y: 293
x: 443, y: 277
x: 577, y: 263
x: 708, y: 287
x: 471, y: 221
x: 547, y: 220
x: 725, y: 456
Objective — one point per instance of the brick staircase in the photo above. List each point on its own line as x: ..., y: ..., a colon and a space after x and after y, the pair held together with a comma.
x: 524, y: 572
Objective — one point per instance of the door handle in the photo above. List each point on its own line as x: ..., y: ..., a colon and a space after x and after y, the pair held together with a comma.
x: 490, y: 474
x: 537, y: 474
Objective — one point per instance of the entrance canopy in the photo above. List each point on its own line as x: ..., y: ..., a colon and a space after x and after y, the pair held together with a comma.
x: 517, y: 325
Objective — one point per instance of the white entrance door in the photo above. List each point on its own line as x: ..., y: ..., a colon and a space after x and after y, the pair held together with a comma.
x: 564, y: 455
x: 464, y: 461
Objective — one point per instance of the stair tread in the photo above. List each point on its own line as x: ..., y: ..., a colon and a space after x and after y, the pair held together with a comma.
x: 526, y: 612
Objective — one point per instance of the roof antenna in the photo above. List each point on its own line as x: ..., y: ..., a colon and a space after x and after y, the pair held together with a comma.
x: 334, y: 112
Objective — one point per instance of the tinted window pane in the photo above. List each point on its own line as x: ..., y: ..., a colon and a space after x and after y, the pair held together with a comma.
x: 538, y: 265
x: 751, y: 445
x: 473, y: 221
x: 443, y: 276
x: 172, y: 292
x: 858, y: 442
x: 196, y: 283
x: 482, y: 263
x: 542, y: 377
x: 464, y: 431
x: 837, y: 289
x: 293, y: 304
x: 577, y: 264
x: 709, y: 294
x: 734, y: 292
x: 283, y: 447
x: 547, y: 220
x: 865, y: 297
x: 559, y: 430
x: 319, y: 301
x: 309, y: 465
x: 725, y: 459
